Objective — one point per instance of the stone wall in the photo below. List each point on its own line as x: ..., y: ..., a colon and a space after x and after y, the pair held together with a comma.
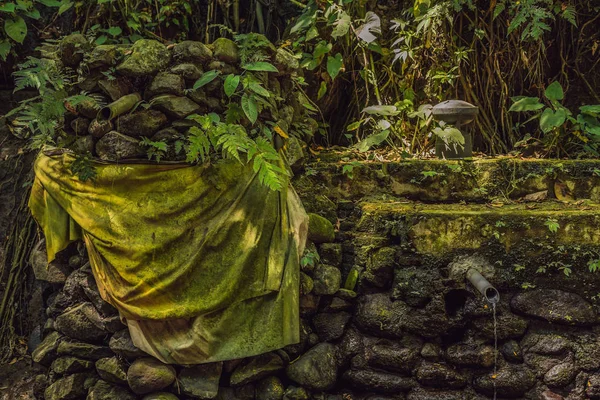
x: 386, y: 310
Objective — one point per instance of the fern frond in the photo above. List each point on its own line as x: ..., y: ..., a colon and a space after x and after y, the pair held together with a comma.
x: 198, y: 146
x: 266, y: 163
x: 570, y: 14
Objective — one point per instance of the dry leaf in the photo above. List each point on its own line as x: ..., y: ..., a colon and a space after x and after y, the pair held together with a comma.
x: 495, y: 204
x: 539, y: 196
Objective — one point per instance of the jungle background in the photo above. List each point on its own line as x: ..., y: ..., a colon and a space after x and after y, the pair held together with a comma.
x: 375, y: 68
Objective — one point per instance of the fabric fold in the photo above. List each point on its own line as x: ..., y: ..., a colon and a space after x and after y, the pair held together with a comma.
x: 202, y: 261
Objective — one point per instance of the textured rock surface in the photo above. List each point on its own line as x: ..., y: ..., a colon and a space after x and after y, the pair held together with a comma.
x: 105, y: 391
x: 555, y: 306
x: 147, y: 375
x: 115, y: 146
x: 67, y: 388
x: 202, y: 381
x: 510, y: 382
x: 320, y: 230
x: 316, y: 369
x: 147, y: 57
x: 175, y: 106
x: 256, y: 369
x: 121, y: 344
x: 142, y: 123
x: 378, y: 381
x: 112, y: 369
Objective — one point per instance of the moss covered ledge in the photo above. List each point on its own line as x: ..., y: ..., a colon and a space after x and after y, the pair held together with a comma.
x: 476, y: 180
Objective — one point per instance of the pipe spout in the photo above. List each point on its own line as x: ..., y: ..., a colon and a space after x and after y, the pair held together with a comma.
x: 488, y: 291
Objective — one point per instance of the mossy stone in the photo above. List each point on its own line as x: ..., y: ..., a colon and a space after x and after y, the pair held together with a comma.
x: 115, y: 146
x: 270, y: 388
x: 112, y: 369
x: 105, y: 391
x: 295, y: 393
x: 72, y: 48
x: 70, y: 365
x: 147, y: 58
x: 192, y: 51
x: 160, y: 396
x: 226, y: 50
x: 189, y: 71
x: 165, y: 83
x: 327, y: 280
x: 320, y: 230
x: 306, y: 284
x: 69, y: 387
x: 148, y: 375
x: 316, y: 369
x: 142, y: 123
x: 257, y: 368
x: 176, y: 107
x: 102, y: 56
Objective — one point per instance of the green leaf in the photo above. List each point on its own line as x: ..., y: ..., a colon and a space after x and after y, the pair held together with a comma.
x: 372, y: 140
x: 4, y: 49
x: 250, y: 108
x: 114, y: 31
x: 258, y: 89
x: 16, y: 29
x: 554, y: 92
x: 354, y: 126
x: 65, y: 6
x: 381, y: 110
x: 322, y: 48
x: 322, y: 90
x: 498, y: 10
x: 421, y: 6
x: 206, y: 78
x: 334, y: 65
x: 551, y: 119
x: 231, y: 84
x: 51, y: 3
x: 312, y: 33
x: 101, y: 40
x: 7, y: 8
x: 552, y: 225
x: 261, y: 66
x: 594, y: 110
x: 526, y: 104
x: 341, y: 25
x: 303, y: 22
x: 33, y: 14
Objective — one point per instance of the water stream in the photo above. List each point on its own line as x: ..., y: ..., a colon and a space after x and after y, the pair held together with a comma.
x: 495, y: 348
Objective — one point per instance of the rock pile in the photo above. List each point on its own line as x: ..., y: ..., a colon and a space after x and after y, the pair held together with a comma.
x: 148, y: 90
x: 384, y: 332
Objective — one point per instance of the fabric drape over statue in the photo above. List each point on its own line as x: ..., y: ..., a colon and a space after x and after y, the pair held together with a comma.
x: 201, y: 261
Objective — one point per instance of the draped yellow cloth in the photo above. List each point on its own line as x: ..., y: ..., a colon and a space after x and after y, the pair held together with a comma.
x: 201, y: 261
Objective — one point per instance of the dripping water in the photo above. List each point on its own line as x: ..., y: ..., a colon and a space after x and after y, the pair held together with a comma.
x: 495, y: 348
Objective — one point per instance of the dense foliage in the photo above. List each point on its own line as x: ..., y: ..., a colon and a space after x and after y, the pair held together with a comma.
x: 376, y: 68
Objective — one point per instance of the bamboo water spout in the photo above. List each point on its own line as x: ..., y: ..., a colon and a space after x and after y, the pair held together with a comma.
x: 488, y: 291
x: 118, y: 107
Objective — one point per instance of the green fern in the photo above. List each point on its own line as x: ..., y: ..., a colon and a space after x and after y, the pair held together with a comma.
x: 198, y: 146
x: 252, y: 47
x: 83, y: 168
x: 39, y: 118
x: 569, y: 13
x: 266, y: 163
x: 532, y: 16
x: 156, y: 150
x: 231, y: 141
